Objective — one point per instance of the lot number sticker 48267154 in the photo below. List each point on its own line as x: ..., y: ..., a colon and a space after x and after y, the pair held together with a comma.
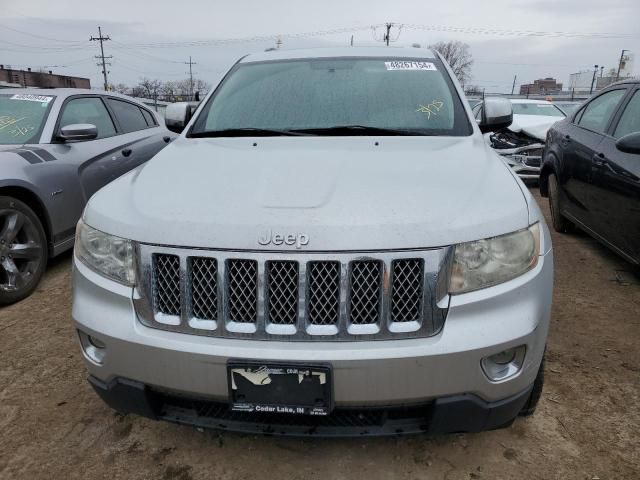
x: 406, y: 65
x: 31, y: 98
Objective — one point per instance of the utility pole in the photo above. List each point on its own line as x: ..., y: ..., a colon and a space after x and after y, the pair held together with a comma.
x: 513, y: 87
x: 620, y: 64
x: 190, y: 63
x: 104, y: 64
x: 352, y: 40
x: 387, y: 36
x: 593, y: 80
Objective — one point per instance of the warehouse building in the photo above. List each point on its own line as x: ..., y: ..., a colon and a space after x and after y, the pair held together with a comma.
x: 10, y: 77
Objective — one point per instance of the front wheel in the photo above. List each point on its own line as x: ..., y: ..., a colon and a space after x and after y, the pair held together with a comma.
x: 23, y: 250
x: 560, y: 223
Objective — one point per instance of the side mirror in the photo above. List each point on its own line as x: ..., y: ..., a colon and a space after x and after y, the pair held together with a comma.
x: 78, y: 131
x: 177, y: 115
x: 497, y: 113
x: 629, y: 143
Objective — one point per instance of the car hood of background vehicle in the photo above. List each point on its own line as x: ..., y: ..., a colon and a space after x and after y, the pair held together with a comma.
x: 535, y: 126
x: 344, y: 193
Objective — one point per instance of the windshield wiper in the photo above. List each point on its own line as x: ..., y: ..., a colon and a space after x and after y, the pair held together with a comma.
x: 356, y: 130
x: 246, y: 132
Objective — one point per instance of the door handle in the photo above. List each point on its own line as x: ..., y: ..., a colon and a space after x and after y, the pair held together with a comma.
x: 126, y: 152
x: 599, y: 160
x: 166, y: 139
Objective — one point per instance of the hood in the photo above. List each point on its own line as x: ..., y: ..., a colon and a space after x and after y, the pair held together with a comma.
x: 337, y: 193
x: 4, y: 147
x: 535, y: 126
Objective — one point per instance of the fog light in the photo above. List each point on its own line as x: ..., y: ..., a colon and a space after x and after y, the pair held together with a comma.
x: 94, y: 349
x: 505, y: 364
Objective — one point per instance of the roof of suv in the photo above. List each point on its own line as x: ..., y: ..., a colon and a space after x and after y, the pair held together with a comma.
x: 61, y: 92
x: 374, y: 52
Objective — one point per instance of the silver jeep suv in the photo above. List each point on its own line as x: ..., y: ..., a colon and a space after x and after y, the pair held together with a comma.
x: 330, y: 247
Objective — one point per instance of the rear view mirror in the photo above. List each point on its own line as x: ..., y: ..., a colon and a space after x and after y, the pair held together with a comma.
x: 629, y: 143
x: 78, y: 131
x: 177, y: 115
x: 497, y: 113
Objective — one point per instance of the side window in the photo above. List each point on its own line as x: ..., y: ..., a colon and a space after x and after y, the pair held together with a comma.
x: 88, y: 110
x: 149, y: 118
x: 597, y: 113
x: 129, y: 115
x: 630, y: 119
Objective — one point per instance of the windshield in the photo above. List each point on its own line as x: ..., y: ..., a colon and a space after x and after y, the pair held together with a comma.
x: 323, y: 95
x: 22, y: 117
x: 543, y: 109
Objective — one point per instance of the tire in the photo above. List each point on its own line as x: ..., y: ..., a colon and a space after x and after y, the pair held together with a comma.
x: 560, y: 223
x: 23, y: 250
x: 532, y: 402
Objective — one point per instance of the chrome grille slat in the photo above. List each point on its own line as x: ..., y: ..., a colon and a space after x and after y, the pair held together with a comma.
x: 365, y: 299
x: 324, y: 293
x: 242, y: 287
x: 204, y: 288
x: 293, y: 295
x: 166, y: 285
x: 282, y: 292
x: 407, y: 286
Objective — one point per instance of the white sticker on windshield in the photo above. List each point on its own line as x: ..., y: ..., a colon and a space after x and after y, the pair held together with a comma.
x: 404, y: 65
x: 32, y: 98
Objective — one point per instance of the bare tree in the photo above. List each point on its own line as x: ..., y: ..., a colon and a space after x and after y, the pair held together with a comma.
x: 120, y: 88
x: 151, y: 88
x: 458, y: 55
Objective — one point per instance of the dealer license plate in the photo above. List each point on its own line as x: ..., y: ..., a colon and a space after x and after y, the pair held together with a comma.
x: 297, y: 389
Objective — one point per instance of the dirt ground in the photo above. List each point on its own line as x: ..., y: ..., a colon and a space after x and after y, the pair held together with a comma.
x: 53, y: 426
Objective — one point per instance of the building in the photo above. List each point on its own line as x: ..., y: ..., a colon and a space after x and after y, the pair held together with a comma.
x: 542, y: 86
x: 10, y: 77
x: 580, y: 82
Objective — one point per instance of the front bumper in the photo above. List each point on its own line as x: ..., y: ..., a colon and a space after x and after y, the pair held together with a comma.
x: 454, y: 414
x: 525, y: 161
x: 366, y: 374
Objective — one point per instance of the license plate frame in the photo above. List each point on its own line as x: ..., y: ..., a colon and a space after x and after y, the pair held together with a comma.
x: 280, y: 387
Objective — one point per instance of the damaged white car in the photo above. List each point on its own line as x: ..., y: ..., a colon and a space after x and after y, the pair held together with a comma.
x: 522, y: 142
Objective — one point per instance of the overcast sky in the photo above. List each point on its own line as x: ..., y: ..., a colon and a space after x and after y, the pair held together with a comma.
x: 55, y: 34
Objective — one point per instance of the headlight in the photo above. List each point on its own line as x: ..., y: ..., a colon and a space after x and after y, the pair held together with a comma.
x: 108, y: 255
x: 484, y: 263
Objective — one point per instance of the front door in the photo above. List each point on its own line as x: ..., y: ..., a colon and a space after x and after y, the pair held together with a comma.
x: 616, y: 183
x: 580, y: 143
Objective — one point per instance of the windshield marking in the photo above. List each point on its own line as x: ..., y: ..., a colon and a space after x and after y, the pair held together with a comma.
x: 8, y: 121
x: 436, y: 105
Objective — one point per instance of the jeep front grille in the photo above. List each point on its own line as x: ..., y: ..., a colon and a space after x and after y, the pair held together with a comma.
x: 324, y: 293
x: 242, y: 290
x: 366, y: 290
x: 204, y: 288
x: 406, y: 293
x: 282, y: 292
x: 293, y: 296
x: 166, y: 284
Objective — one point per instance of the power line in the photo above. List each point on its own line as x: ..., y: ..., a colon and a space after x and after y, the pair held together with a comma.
x: 102, y: 39
x: 121, y: 47
x: 258, y: 38
x: 40, y: 36
x: 521, y: 33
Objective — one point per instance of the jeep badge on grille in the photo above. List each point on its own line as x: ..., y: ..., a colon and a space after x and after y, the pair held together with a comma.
x: 271, y: 238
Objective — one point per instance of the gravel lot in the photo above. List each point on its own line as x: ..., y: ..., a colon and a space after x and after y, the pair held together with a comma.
x: 586, y: 427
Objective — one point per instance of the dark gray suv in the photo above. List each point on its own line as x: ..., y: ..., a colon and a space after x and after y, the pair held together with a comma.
x: 57, y: 148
